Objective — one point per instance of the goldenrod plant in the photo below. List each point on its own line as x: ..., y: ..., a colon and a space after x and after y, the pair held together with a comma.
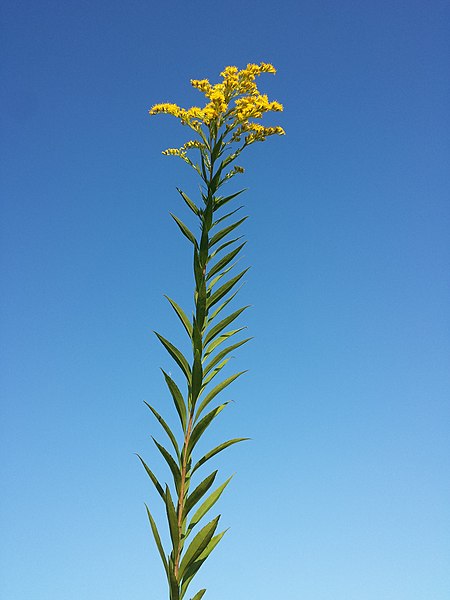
x: 222, y: 129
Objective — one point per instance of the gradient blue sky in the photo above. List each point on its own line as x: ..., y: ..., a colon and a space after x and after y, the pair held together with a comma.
x: 343, y: 494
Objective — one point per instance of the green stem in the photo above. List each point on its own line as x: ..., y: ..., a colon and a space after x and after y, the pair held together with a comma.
x: 197, y: 347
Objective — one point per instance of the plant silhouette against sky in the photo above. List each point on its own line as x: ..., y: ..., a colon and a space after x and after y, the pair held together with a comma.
x: 222, y: 129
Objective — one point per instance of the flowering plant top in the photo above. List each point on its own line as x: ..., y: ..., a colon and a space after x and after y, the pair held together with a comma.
x: 228, y: 114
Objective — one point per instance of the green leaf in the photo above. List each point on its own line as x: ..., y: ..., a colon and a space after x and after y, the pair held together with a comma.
x: 198, y: 493
x: 222, y: 201
x: 204, y: 240
x: 199, y: 595
x: 225, y: 231
x: 181, y: 315
x: 176, y: 355
x: 225, y: 288
x: 185, y: 230
x: 172, y: 519
x: 218, y: 277
x: 212, y: 544
x: 157, y: 539
x: 223, y: 246
x: 214, y: 183
x: 171, y: 462
x: 223, y: 353
x: 165, y: 427
x: 213, y: 393
x: 207, y: 504
x: 198, y: 544
x: 224, y: 323
x: 216, y: 151
x: 226, y: 216
x: 156, y: 483
x: 223, y: 262
x: 197, y: 376
x: 177, y: 398
x: 219, y: 340
x: 193, y: 568
x: 214, y: 372
x: 222, y: 306
x: 189, y: 202
x: 198, y: 269
x: 200, y: 302
x: 201, y: 426
x: 216, y: 450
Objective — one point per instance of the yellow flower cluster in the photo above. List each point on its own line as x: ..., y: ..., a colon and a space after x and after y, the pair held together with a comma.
x: 201, y: 84
x: 218, y: 103
x: 258, y: 133
x: 173, y: 152
x: 231, y: 103
x: 166, y: 108
x: 254, y: 107
x: 182, y: 151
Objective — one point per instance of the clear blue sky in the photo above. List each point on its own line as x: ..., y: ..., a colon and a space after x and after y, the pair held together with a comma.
x: 343, y: 494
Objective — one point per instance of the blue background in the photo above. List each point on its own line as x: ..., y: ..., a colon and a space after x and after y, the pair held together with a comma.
x: 343, y: 494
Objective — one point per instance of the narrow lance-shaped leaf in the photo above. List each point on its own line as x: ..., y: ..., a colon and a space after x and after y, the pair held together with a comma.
x: 176, y: 355
x: 157, y: 538
x: 165, y: 427
x: 219, y: 340
x: 204, y: 245
x: 212, y: 544
x: 171, y: 462
x: 217, y: 149
x: 198, y: 493
x: 213, y: 393
x: 223, y: 246
x: 225, y: 288
x: 214, y: 183
x: 189, y: 202
x: 218, y: 277
x: 198, y: 271
x: 227, y: 216
x: 198, y: 544
x: 197, y: 376
x: 192, y: 569
x: 216, y: 450
x: 201, y: 307
x: 177, y: 398
x: 225, y: 231
x: 199, y: 595
x: 222, y: 201
x: 207, y: 504
x: 184, y: 229
x: 172, y: 519
x: 201, y: 426
x: 213, y: 315
x: 224, y: 353
x: 153, y: 478
x: 223, y: 262
x: 207, y: 380
x: 181, y: 315
x: 222, y: 324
